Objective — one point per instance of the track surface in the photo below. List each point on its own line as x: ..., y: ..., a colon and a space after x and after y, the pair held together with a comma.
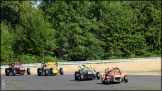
x: 67, y: 82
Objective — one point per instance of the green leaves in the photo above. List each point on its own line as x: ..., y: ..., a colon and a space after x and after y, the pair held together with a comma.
x: 7, y: 38
x: 80, y: 30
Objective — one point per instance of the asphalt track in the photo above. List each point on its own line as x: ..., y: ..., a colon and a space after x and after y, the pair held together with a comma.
x: 67, y: 82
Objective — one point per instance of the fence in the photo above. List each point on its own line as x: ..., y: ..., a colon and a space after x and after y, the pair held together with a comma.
x: 90, y: 62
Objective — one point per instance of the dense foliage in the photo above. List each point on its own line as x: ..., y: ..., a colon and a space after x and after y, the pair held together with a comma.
x: 79, y: 30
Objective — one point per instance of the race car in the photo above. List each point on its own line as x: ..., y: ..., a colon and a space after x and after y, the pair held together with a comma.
x: 49, y: 68
x: 16, y: 68
x: 113, y: 75
x: 86, y: 73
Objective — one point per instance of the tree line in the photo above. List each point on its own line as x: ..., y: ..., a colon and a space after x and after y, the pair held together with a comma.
x: 79, y: 30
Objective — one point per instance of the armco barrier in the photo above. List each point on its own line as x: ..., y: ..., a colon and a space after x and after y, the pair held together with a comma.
x: 90, y: 62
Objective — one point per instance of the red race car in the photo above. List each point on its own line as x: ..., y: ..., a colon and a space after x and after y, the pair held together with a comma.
x: 113, y: 75
x: 16, y: 68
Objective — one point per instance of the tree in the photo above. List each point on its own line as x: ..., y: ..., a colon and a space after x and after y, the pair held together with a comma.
x: 148, y: 14
x: 34, y: 34
x: 7, y: 39
x: 69, y: 19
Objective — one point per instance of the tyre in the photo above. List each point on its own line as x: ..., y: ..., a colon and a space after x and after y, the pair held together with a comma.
x: 98, y: 75
x: 28, y: 71
x: 76, y: 74
x: 108, y: 81
x: 14, y: 72
x: 7, y: 72
x: 51, y: 70
x: 61, y: 71
x: 102, y: 80
x: 45, y: 72
x: 38, y: 73
x: 126, y: 79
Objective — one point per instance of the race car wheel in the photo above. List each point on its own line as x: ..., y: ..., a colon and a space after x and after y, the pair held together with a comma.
x: 126, y: 79
x: 51, y: 70
x: 38, y: 72
x: 108, y: 81
x: 7, y: 72
x: 76, y: 75
x: 61, y: 71
x: 98, y: 75
x: 14, y: 72
x: 102, y: 80
x: 28, y: 71
x: 45, y: 72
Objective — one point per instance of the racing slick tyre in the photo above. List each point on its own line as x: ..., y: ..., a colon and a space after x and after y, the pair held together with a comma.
x: 14, y: 72
x: 98, y: 75
x: 61, y: 71
x: 108, y: 81
x: 51, y: 70
x: 102, y: 80
x: 7, y: 72
x: 38, y: 73
x: 28, y: 71
x: 76, y: 74
x: 126, y: 79
x: 45, y: 72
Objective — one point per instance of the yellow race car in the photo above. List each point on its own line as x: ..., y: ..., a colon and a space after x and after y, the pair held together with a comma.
x: 49, y: 68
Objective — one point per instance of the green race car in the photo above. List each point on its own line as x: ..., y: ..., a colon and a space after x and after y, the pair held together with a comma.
x: 86, y: 73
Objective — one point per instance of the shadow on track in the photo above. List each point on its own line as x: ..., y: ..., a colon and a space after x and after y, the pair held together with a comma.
x: 14, y: 75
x: 109, y: 84
x: 45, y: 76
x: 79, y: 81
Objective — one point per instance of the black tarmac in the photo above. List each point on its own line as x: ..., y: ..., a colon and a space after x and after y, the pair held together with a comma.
x: 67, y: 82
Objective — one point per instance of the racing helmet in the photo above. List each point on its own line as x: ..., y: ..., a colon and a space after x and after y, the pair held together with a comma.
x: 107, y: 69
x: 83, y: 65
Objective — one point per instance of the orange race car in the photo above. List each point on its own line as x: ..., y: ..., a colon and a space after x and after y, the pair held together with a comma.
x: 113, y: 75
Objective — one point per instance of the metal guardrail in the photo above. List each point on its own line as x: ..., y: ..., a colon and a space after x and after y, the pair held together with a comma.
x: 90, y: 62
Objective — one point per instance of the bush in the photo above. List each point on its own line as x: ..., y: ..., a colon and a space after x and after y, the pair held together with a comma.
x: 26, y: 59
